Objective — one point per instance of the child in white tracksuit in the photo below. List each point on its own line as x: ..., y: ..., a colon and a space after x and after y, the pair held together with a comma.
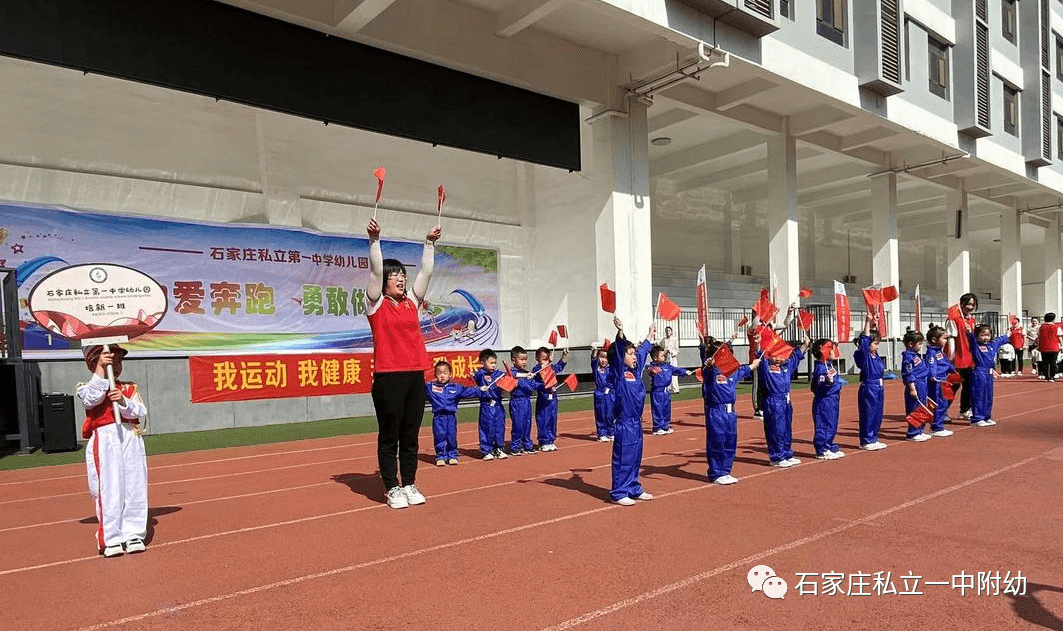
x: 114, y: 456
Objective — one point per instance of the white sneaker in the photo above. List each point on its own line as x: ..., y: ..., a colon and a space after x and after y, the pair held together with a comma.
x: 839, y: 454
x: 611, y: 438
x: 725, y: 479
x: 134, y: 545
x: 875, y: 446
x: 942, y: 433
x: 552, y: 447
x: 828, y: 455
x: 501, y: 455
x: 645, y: 496
x: 966, y: 414
x: 782, y: 464
x: 659, y: 432
x: 413, y: 496
x: 920, y: 438
x: 982, y: 423
x: 625, y: 501
x: 990, y: 421
x: 113, y: 551
x: 793, y: 461
x: 603, y: 439
x: 396, y: 498
x: 669, y: 431
x: 489, y: 456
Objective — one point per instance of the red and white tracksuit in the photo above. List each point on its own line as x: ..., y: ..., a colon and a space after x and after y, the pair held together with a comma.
x: 116, y: 464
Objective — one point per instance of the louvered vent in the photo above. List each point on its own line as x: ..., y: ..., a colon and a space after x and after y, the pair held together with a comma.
x: 981, y: 54
x: 1045, y: 62
x: 1046, y: 115
x: 891, y: 41
x: 980, y: 10
x: 762, y: 7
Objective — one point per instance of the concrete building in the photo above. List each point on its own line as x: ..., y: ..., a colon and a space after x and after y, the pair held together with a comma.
x: 899, y: 142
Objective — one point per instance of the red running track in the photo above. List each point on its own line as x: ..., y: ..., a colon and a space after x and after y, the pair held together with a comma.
x: 294, y: 535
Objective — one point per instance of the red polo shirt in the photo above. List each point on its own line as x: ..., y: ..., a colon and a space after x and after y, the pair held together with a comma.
x: 398, y: 345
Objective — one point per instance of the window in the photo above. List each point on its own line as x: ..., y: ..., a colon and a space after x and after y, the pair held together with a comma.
x: 830, y: 20
x: 1059, y: 58
x: 786, y: 8
x: 1011, y: 110
x: 939, y: 67
x: 1059, y: 138
x: 1007, y: 19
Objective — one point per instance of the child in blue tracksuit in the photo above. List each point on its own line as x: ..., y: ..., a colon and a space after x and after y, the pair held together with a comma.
x: 627, y: 365
x: 546, y: 402
x: 721, y: 420
x: 603, y: 394
x: 915, y: 373
x: 444, y: 396
x: 939, y: 368
x: 984, y: 351
x: 660, y: 390
x: 826, y: 386
x: 870, y: 397
x: 775, y: 374
x: 492, y: 414
x: 520, y: 407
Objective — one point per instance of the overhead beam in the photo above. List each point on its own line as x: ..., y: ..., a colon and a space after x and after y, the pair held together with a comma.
x: 810, y: 181
x: 864, y: 138
x: 746, y: 169
x: 705, y: 152
x: 354, y: 15
x: 523, y: 13
x: 816, y: 119
x: 669, y: 118
x: 863, y: 153
x: 742, y: 93
x: 934, y: 229
x: 752, y: 118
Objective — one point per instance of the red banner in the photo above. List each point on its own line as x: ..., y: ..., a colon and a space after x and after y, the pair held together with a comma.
x: 841, y: 311
x: 703, y: 303
x: 248, y: 377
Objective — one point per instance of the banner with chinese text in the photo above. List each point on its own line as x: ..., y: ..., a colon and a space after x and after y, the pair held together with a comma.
x: 246, y: 288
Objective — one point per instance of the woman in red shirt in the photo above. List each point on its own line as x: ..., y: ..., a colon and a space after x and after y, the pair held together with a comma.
x: 960, y: 348
x: 1018, y: 341
x: 1048, y: 343
x: 399, y: 362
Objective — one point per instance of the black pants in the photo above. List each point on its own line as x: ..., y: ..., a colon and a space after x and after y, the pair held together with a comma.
x: 1007, y: 366
x: 1018, y: 360
x: 398, y: 398
x: 1048, y: 361
x: 965, y: 392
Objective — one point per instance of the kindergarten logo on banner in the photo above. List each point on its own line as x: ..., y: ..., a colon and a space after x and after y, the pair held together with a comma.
x: 244, y: 288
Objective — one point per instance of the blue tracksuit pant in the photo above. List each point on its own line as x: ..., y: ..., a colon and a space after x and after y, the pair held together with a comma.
x: 520, y: 411
x: 445, y: 433
x: 910, y: 404
x: 778, y: 426
x: 603, y: 413
x: 870, y: 400
x: 661, y: 407
x: 492, y: 426
x: 721, y: 438
x: 627, y: 458
x: 825, y: 421
x: 981, y: 395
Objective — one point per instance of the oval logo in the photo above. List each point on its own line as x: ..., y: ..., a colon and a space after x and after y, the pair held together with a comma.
x: 97, y: 300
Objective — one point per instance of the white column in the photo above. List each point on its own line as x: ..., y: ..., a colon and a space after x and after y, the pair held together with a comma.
x: 885, y: 262
x: 1053, y: 275
x: 783, y: 245
x: 957, y: 248
x: 622, y: 230
x: 1010, y: 262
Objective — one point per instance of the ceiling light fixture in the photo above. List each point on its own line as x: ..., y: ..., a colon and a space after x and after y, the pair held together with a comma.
x: 661, y: 142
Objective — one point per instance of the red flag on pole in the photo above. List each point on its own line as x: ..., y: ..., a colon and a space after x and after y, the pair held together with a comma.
x: 725, y: 361
x: 841, y: 311
x: 698, y: 376
x: 553, y: 338
x: 1014, y: 321
x: 918, y: 310
x: 805, y: 318
x: 506, y: 381
x: 666, y: 309
x: 441, y: 196
x: 571, y: 381
x: 872, y: 298
x: 889, y: 293
x: 805, y: 292
x: 546, y: 373
x: 606, y: 343
x: 379, y: 172
x: 773, y: 345
x: 562, y: 330
x: 741, y: 323
x: 765, y: 308
x: 919, y: 416
x: 703, y: 303
x: 608, y: 298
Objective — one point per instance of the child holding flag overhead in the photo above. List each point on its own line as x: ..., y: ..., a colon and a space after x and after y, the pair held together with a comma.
x: 546, y: 402
x: 779, y: 362
x: 720, y: 376
x: 444, y: 396
x: 627, y: 365
x: 827, y: 384
x: 915, y: 373
x: 983, y: 355
x: 603, y: 394
x: 661, y: 373
x: 938, y: 388
x: 492, y: 414
x: 870, y: 397
x: 520, y: 408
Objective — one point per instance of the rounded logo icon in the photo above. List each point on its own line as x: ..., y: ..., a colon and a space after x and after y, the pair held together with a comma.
x: 757, y: 575
x: 98, y: 275
x: 775, y: 588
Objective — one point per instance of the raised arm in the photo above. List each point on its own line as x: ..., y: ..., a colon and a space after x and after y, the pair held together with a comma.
x: 428, y: 262
x: 376, y: 263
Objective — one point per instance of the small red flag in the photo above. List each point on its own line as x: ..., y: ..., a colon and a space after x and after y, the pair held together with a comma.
x: 546, y: 373
x: 441, y: 196
x: 506, y: 381
x: 765, y: 308
x: 805, y: 292
x: 919, y: 416
x: 872, y: 298
x: 725, y: 361
x: 606, y: 344
x: 571, y: 381
x: 608, y: 298
x: 379, y: 172
x: 666, y: 309
x: 954, y: 378
x: 741, y: 323
x: 773, y: 345
x: 931, y: 404
x: 698, y: 376
x: 889, y: 293
x: 805, y: 318
x: 1013, y: 320
x: 553, y: 338
x: 562, y: 330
